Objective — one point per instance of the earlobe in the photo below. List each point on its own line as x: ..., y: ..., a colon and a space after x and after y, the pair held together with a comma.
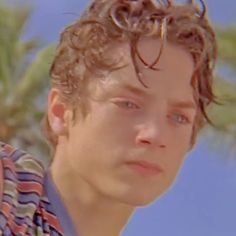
x: 57, y: 120
x: 56, y: 113
x: 57, y: 126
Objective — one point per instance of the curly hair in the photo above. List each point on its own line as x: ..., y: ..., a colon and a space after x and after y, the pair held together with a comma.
x: 83, y: 49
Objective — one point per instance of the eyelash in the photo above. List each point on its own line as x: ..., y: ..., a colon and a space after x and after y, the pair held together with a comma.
x: 127, y: 101
x: 184, y: 118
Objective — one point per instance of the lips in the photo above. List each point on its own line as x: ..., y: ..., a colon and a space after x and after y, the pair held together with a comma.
x: 145, y: 168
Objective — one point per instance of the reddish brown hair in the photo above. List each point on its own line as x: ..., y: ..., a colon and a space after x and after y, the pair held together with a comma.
x: 82, y: 52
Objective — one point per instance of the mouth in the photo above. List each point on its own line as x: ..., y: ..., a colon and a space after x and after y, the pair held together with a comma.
x: 144, y: 168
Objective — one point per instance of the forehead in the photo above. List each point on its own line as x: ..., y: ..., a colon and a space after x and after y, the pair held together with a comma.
x: 175, y: 69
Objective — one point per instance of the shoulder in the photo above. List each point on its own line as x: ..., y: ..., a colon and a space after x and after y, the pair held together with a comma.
x: 17, y: 160
x: 20, y: 169
x: 22, y: 186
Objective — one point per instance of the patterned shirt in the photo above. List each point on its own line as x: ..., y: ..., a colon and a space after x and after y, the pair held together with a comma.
x: 28, y: 197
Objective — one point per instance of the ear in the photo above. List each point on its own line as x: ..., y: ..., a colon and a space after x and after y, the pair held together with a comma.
x: 58, y: 114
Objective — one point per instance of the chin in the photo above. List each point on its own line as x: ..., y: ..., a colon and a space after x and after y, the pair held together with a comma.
x: 141, y: 200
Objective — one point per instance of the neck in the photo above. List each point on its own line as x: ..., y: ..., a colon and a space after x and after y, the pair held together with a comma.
x: 91, y: 212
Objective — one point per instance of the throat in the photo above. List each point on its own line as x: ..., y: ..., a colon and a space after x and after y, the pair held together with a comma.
x: 91, y: 212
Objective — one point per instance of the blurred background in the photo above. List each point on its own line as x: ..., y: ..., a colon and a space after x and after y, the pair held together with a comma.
x: 202, y: 202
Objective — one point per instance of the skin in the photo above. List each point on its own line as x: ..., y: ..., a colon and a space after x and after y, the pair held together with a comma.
x: 99, y: 189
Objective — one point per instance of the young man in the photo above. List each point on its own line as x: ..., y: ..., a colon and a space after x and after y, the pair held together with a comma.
x: 130, y: 84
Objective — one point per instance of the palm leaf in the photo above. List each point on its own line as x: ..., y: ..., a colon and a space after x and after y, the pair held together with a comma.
x: 36, y: 77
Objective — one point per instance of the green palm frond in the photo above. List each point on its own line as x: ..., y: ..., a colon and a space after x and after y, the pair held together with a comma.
x: 22, y: 79
x: 224, y: 115
x: 36, y: 77
x: 227, y: 45
x: 12, y: 23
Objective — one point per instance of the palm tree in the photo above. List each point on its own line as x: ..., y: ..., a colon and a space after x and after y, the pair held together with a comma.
x: 227, y: 45
x: 22, y: 81
x: 224, y: 116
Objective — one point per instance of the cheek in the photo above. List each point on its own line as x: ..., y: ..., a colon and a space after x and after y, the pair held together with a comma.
x: 180, y: 144
x: 173, y: 166
x: 110, y: 124
x: 181, y: 139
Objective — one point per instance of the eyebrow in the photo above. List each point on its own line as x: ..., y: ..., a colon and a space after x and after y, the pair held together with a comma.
x: 134, y: 90
x: 184, y: 104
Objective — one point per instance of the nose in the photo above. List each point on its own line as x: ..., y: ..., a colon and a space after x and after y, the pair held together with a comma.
x: 152, y: 134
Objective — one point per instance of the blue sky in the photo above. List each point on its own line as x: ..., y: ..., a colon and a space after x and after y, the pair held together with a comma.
x: 202, y: 202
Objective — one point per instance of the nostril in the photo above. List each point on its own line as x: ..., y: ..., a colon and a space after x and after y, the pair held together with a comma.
x: 145, y: 141
x: 162, y: 146
x: 152, y: 135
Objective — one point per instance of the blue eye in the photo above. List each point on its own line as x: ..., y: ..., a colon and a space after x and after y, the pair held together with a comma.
x: 180, y: 119
x: 127, y: 104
